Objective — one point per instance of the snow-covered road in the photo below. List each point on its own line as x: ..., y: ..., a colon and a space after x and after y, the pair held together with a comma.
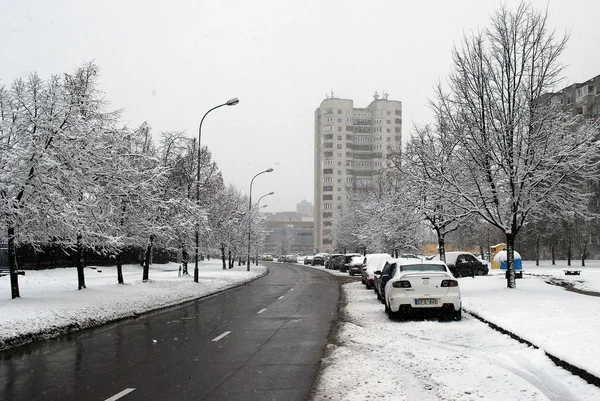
x: 375, y: 358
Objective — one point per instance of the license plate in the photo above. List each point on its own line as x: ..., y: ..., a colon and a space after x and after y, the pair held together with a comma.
x: 426, y: 301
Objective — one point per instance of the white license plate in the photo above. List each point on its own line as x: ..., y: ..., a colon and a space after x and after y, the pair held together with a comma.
x: 426, y: 301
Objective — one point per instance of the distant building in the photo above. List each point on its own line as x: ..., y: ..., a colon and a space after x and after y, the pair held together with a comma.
x: 291, y: 232
x: 306, y: 209
x: 351, y: 146
x: 579, y: 98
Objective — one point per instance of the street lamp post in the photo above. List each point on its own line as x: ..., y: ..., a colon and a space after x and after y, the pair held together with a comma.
x: 230, y: 102
x: 257, y: 208
x: 249, y: 213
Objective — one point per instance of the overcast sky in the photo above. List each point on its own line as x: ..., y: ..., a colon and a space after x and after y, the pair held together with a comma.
x: 168, y: 62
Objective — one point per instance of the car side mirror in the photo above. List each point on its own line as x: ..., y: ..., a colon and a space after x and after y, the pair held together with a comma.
x: 378, y: 272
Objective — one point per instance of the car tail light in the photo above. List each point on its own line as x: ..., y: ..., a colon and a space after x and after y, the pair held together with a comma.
x: 401, y: 284
x: 449, y: 283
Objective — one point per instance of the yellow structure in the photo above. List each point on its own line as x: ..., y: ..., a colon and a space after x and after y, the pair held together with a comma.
x: 494, y: 249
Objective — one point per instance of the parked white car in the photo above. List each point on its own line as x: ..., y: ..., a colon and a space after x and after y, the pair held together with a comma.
x: 422, y: 287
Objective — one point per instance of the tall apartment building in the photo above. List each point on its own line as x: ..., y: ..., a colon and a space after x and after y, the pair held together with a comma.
x: 351, y: 145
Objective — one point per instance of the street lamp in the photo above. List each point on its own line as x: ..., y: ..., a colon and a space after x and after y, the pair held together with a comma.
x: 249, y: 211
x: 230, y: 102
x: 259, y: 207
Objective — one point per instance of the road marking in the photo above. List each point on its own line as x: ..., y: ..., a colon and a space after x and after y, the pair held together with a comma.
x: 121, y: 394
x: 221, y: 336
x: 280, y: 297
x: 262, y: 310
x: 291, y: 289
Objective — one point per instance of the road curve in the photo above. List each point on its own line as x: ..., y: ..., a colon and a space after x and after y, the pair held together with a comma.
x: 260, y: 341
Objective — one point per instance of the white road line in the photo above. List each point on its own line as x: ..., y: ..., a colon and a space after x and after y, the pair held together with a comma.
x: 291, y: 289
x: 121, y: 394
x: 280, y: 297
x: 221, y: 336
x: 262, y: 310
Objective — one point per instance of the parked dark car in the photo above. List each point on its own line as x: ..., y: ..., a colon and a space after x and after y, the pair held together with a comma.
x: 356, y: 265
x: 347, y: 260
x: 319, y: 259
x: 334, y: 261
x: 465, y: 264
x: 308, y: 260
x: 382, y: 277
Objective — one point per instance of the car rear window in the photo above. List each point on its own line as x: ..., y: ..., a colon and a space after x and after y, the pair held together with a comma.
x: 423, y: 268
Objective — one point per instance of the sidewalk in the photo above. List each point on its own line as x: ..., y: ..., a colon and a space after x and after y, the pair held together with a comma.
x: 563, y: 323
x: 50, y: 304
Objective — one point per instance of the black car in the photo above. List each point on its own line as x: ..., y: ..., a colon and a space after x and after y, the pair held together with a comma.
x: 346, y: 262
x: 319, y: 259
x: 465, y: 264
x: 334, y: 261
x: 382, y: 277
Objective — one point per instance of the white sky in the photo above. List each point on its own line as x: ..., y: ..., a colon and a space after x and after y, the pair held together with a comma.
x: 169, y: 62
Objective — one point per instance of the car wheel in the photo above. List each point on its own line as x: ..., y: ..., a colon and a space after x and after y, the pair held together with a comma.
x: 378, y: 296
x: 362, y: 280
x: 456, y: 315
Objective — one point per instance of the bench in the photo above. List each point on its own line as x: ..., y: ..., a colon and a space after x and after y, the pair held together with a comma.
x: 572, y: 272
x: 5, y: 271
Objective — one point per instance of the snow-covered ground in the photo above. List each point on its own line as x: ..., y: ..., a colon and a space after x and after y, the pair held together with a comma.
x: 50, y: 303
x: 373, y: 357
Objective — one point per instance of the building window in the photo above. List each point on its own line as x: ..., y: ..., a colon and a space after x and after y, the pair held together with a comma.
x: 339, y: 163
x: 339, y: 190
x: 339, y: 198
x: 327, y: 188
x: 398, y: 112
x: 339, y: 137
x: 389, y: 113
x: 327, y: 171
x: 339, y: 129
x: 339, y: 181
x: 328, y: 162
x: 339, y: 172
x: 327, y: 206
x: 388, y: 130
x: 339, y: 120
x: 389, y: 122
x: 327, y: 215
x: 339, y: 111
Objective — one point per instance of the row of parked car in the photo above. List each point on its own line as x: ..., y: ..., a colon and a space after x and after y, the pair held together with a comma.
x: 410, y: 283
x: 352, y: 263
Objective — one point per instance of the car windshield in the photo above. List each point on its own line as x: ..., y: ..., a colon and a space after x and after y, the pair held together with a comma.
x: 338, y: 257
x: 423, y: 268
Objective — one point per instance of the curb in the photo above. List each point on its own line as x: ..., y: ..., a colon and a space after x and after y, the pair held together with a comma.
x: 582, y: 373
x: 11, y: 343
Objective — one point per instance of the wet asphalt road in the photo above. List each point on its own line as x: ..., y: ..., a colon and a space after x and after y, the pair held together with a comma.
x: 261, y: 341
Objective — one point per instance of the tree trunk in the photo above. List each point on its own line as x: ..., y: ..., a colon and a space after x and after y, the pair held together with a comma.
x: 441, y: 246
x: 12, y: 264
x: 569, y: 252
x: 230, y: 260
x: 510, y: 261
x: 482, y: 251
x: 553, y: 254
x: 583, y: 254
x: 537, y: 251
x: 119, y: 268
x: 147, y: 258
x: 80, y: 273
x: 223, y: 256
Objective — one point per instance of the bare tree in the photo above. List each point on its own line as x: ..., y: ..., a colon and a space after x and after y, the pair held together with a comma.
x: 518, y: 153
